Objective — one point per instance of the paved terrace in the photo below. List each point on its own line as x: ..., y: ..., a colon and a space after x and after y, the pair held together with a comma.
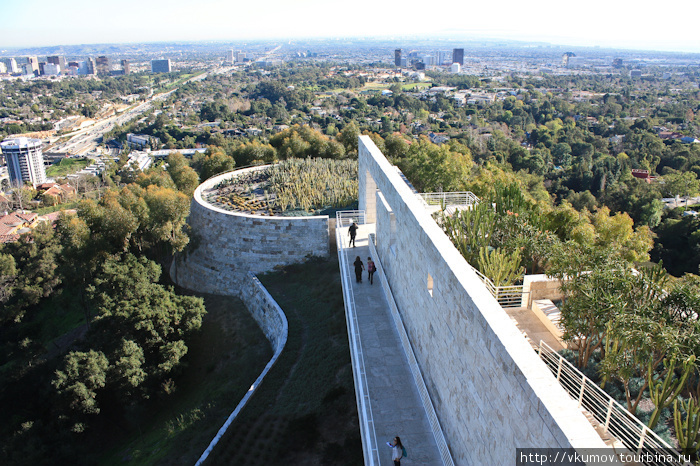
x: 387, y: 391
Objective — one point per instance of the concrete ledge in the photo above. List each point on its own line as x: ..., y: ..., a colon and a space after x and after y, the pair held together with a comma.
x: 549, y: 315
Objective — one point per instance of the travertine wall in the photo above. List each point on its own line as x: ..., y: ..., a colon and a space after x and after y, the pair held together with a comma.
x: 230, y: 244
x: 265, y: 311
x: 273, y: 323
x: 540, y: 286
x: 491, y: 392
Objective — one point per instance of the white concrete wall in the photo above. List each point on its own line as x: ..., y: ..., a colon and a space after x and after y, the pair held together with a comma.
x: 491, y: 392
x: 227, y: 245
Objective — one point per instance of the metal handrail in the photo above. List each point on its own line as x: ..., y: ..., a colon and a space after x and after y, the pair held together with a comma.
x: 612, y: 416
x: 364, y: 407
x: 449, y: 198
x: 344, y: 218
x: 507, y: 296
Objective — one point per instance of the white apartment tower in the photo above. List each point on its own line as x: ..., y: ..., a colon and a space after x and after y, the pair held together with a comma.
x: 25, y: 161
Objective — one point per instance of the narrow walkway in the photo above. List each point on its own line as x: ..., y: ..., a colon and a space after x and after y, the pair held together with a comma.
x: 396, y: 405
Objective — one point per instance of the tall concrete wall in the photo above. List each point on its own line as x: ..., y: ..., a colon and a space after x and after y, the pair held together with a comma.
x: 227, y: 245
x: 491, y: 392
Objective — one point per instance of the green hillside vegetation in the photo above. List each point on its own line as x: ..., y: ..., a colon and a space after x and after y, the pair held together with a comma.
x: 66, y: 167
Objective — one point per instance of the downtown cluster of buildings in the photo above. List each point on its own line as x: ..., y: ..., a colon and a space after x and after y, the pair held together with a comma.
x: 421, y: 61
x: 55, y: 65
x: 235, y: 56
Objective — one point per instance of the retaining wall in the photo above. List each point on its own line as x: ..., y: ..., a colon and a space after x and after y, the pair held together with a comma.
x: 491, y: 392
x: 540, y: 286
x: 273, y: 323
x: 227, y: 245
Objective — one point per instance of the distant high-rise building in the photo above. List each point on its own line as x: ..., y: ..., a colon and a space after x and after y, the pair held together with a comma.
x: 11, y: 64
x: 617, y: 63
x: 3, y: 67
x: 102, y: 65
x: 397, y: 57
x: 25, y: 69
x: 59, y: 60
x: 91, y: 66
x: 125, y: 66
x: 428, y: 60
x: 458, y: 56
x: 442, y: 58
x: 161, y: 66
x: 240, y: 56
x: 73, y: 68
x: 42, y: 72
x: 51, y: 69
x: 230, y: 57
x: 25, y: 162
x: 34, y: 63
x: 565, y: 58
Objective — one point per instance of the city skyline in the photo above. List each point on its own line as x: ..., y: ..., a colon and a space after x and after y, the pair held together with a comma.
x: 35, y: 23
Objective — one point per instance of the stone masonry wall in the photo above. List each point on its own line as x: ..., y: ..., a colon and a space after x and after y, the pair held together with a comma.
x: 231, y: 244
x: 491, y: 392
x: 265, y: 311
x: 540, y: 286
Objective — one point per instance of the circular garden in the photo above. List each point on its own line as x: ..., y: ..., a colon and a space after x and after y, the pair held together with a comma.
x: 293, y: 187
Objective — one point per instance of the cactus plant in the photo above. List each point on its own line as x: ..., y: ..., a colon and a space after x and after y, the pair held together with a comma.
x: 688, y: 428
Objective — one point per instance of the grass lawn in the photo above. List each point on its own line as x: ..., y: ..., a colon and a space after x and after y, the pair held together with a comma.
x: 66, y: 166
x: 410, y: 86
x: 304, y: 412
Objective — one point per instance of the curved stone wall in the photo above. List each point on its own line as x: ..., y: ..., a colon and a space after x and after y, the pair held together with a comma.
x: 227, y: 245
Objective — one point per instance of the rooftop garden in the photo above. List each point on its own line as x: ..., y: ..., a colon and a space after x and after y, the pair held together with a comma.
x: 294, y: 187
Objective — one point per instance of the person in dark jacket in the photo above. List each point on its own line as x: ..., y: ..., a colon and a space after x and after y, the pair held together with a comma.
x: 359, y: 267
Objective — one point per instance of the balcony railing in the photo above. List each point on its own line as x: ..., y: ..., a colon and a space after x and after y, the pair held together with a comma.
x: 611, y: 415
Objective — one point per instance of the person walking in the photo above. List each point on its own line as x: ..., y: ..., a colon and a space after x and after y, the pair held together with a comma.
x: 359, y: 267
x: 352, y: 231
x: 396, y: 450
x: 371, y: 268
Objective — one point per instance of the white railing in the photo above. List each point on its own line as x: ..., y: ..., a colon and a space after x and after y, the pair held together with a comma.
x: 344, y: 218
x: 462, y: 198
x: 412, y: 361
x: 612, y: 416
x: 364, y: 407
x: 507, y: 296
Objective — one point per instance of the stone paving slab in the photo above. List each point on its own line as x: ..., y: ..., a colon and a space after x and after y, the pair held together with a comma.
x: 396, y: 405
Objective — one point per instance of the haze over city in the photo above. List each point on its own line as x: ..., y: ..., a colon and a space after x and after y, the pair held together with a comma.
x: 595, y: 23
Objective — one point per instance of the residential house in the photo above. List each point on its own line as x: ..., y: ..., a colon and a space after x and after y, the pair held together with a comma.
x: 15, y: 223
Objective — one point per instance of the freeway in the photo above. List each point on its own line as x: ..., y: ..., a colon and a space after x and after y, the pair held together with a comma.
x: 87, y: 139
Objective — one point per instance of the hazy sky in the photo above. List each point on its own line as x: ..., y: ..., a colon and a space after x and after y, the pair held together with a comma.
x: 641, y: 24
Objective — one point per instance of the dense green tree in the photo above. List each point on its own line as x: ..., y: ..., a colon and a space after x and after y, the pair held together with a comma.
x: 184, y: 177
x: 82, y: 375
x: 213, y: 162
x: 30, y: 269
